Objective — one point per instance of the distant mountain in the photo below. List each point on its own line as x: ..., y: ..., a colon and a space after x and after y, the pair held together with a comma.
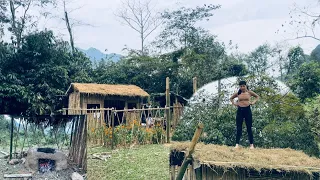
x: 96, y: 55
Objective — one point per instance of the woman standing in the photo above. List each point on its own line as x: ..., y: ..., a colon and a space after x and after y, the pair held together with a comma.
x: 244, y: 111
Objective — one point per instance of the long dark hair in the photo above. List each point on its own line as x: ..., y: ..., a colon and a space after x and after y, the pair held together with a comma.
x: 242, y: 83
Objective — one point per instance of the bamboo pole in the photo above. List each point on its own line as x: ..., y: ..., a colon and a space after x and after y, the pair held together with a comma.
x: 17, y: 138
x: 11, y: 137
x: 188, y: 158
x: 72, y: 129
x: 133, y: 110
x: 168, y: 110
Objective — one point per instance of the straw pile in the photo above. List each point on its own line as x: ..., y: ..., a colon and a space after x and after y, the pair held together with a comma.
x: 108, y: 89
x: 269, y: 159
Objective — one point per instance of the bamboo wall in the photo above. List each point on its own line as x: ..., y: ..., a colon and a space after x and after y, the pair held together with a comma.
x: 100, y: 118
x: 177, y: 114
x: 95, y: 117
x: 73, y: 103
x: 78, y: 149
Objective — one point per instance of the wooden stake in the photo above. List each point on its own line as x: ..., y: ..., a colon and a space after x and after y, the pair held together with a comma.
x: 168, y: 110
x: 194, y: 84
x: 188, y: 158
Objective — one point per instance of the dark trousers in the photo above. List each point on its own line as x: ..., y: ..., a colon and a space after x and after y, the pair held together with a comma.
x: 244, y: 113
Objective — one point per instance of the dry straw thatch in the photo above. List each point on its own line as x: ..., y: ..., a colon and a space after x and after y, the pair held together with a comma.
x: 227, y: 157
x: 107, y: 89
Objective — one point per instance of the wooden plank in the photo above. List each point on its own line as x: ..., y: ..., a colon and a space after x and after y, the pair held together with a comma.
x: 198, y: 173
x: 204, y: 172
x: 210, y: 174
x: 172, y: 172
x: 185, y: 177
x: 178, y: 170
x: 17, y: 175
x: 191, y: 172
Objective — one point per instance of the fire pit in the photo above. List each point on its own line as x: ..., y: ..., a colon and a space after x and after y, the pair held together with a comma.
x: 45, y: 159
x: 46, y: 165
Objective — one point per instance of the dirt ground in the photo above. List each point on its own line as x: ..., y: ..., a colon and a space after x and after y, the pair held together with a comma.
x: 6, y: 168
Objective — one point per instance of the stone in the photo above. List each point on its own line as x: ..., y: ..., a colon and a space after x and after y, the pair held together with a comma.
x: 33, y: 157
x: 23, y: 160
x: 76, y: 176
x: 14, y: 161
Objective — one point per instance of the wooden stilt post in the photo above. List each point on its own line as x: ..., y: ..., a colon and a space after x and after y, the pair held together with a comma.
x: 168, y: 124
x: 112, y: 124
x: 188, y: 158
x: 194, y: 84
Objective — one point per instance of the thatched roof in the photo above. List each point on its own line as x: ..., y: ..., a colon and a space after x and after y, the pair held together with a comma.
x: 227, y: 157
x: 107, y: 89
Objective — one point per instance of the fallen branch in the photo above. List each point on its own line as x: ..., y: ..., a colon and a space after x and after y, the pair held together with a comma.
x: 102, y: 156
x: 5, y: 153
x: 17, y: 175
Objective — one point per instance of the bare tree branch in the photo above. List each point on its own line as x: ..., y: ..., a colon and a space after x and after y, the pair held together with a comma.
x: 75, y: 9
x: 23, y: 20
x: 155, y: 27
x: 304, y: 23
x: 140, y: 17
x: 134, y: 11
x: 306, y: 13
x: 128, y: 21
x: 306, y: 36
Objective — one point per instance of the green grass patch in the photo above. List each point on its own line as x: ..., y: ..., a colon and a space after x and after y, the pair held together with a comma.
x: 144, y: 162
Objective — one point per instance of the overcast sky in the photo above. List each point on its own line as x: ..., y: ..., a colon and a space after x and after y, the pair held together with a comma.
x: 248, y: 23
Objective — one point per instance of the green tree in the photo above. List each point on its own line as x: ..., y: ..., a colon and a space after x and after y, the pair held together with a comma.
x: 21, y: 17
x: 3, y: 17
x: 307, y: 80
x: 41, y: 69
x: 258, y: 60
x: 180, y: 26
x: 296, y: 58
x: 315, y: 54
x: 146, y: 72
x: 312, y: 108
